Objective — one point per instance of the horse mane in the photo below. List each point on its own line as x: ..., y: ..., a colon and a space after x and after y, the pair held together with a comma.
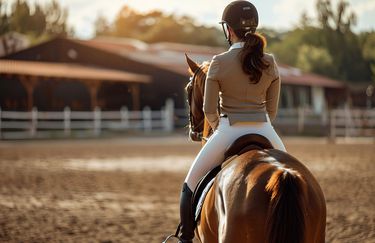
x: 204, y: 67
x: 200, y: 77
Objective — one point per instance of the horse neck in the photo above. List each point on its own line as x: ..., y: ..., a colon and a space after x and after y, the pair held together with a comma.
x: 200, y: 85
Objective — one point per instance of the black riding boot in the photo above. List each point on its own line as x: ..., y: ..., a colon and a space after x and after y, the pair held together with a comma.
x: 186, y: 215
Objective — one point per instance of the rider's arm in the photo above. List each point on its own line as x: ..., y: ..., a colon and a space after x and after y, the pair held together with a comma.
x: 211, y: 94
x: 273, y: 93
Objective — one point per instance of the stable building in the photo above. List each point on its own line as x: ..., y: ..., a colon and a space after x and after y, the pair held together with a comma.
x: 110, y: 72
x: 64, y: 72
x: 299, y: 89
x: 53, y: 86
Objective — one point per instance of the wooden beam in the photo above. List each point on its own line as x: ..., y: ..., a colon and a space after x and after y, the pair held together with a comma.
x: 93, y: 87
x: 135, y: 96
x: 29, y: 84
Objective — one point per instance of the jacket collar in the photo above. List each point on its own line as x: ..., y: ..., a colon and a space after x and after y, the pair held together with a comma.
x: 237, y: 45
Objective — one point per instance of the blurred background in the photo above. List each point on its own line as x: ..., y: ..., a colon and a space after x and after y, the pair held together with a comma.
x: 127, y: 57
x: 93, y: 111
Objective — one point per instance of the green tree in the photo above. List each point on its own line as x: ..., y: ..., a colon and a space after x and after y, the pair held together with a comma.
x: 102, y: 27
x: 20, y: 17
x: 56, y: 19
x: 305, y: 21
x: 4, y: 19
x: 287, y: 48
x: 367, y: 41
x: 341, y: 20
x: 36, y: 21
x: 315, y: 59
x: 342, y: 43
x: 272, y: 36
x: 332, y: 40
x: 156, y: 26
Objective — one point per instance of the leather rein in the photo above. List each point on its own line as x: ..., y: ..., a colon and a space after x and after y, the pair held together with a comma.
x: 195, y: 130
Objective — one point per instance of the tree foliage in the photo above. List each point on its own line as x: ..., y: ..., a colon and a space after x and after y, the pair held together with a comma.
x: 326, y: 45
x: 367, y: 42
x: 314, y: 59
x: 331, y: 40
x: 4, y: 19
x: 156, y: 26
x: 36, y: 20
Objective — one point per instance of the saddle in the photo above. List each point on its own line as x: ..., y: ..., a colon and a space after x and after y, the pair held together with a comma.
x: 239, y: 146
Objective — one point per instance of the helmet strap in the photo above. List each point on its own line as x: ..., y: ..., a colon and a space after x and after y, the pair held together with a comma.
x: 227, y: 33
x: 229, y: 40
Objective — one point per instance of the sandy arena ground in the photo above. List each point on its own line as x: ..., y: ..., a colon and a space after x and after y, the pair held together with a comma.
x: 126, y: 190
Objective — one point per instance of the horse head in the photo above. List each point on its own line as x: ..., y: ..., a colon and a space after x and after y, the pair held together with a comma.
x: 195, y: 92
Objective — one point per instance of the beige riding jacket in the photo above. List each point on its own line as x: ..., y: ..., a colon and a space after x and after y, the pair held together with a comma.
x: 239, y: 99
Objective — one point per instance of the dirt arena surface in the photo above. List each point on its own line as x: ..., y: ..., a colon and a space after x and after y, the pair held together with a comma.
x: 126, y: 190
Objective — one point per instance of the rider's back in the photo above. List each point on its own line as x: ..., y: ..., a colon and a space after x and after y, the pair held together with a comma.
x: 241, y: 97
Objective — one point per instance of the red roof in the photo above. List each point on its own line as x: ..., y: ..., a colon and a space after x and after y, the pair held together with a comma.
x: 171, y: 56
x: 68, y: 70
x: 294, y: 76
x: 114, y: 44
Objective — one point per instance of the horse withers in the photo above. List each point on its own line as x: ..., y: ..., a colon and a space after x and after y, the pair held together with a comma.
x: 262, y: 195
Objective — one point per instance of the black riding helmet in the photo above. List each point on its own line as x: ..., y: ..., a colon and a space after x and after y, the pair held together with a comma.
x: 239, y: 15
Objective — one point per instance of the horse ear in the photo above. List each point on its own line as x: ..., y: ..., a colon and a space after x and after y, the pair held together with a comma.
x: 193, y: 65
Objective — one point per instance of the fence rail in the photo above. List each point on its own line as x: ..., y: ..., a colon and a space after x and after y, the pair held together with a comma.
x: 300, y: 118
x: 335, y: 123
x: 352, y: 123
x: 40, y: 124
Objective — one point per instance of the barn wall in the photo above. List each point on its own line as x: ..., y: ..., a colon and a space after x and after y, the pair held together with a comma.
x: 165, y: 84
x: 13, y: 95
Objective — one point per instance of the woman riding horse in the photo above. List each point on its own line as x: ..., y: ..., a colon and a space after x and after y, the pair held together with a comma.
x: 261, y: 195
x: 247, y: 83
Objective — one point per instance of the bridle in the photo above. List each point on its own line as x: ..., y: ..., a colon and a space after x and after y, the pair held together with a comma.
x: 195, y: 129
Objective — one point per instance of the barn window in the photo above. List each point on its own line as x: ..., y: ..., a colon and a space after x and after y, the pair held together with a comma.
x: 72, y: 54
x: 286, y: 100
x: 304, y: 96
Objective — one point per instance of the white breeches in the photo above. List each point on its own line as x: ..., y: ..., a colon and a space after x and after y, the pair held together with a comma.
x: 212, y: 153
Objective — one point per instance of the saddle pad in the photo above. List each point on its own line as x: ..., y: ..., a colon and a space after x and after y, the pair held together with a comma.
x: 198, y: 208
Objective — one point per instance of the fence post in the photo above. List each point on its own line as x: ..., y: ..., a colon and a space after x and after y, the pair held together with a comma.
x: 97, y: 121
x: 67, y: 121
x: 324, y: 117
x: 301, y: 119
x: 124, y: 117
x: 347, y: 119
x: 333, y: 125
x: 34, y: 122
x: 0, y: 122
x: 169, y: 115
x: 147, y: 119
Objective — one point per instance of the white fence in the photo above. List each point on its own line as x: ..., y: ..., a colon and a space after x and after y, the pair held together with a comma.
x: 40, y: 124
x: 37, y: 124
x: 300, y: 118
x: 352, y: 123
x: 335, y: 123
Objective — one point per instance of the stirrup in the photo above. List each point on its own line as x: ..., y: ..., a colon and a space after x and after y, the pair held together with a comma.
x: 174, y: 236
x: 170, y: 237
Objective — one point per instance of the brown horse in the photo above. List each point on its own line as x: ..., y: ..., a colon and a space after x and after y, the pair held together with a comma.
x: 263, y: 195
